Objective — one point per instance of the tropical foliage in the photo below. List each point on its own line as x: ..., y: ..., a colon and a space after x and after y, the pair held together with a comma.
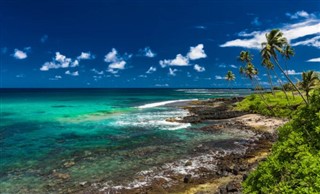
x: 293, y: 166
x: 277, y: 43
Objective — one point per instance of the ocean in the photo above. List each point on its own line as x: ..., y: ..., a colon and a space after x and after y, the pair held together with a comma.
x: 59, y: 138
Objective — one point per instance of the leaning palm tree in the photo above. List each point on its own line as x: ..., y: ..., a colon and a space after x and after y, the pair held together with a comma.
x: 230, y: 77
x: 275, y: 43
x: 310, y: 79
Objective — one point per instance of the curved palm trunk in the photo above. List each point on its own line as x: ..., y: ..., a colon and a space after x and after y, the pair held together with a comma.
x: 284, y: 91
x: 286, y: 63
x: 234, y: 94
x: 270, y: 80
x: 261, y: 95
x: 295, y: 87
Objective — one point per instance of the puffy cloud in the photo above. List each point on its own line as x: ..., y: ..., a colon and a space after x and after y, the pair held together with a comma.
x: 117, y: 65
x: 111, y: 56
x: 178, y: 61
x: 233, y: 66
x: 256, y: 21
x: 151, y: 70
x: 172, y: 72
x: 59, y: 61
x: 314, y: 60
x: 299, y: 14
x: 44, y: 38
x: 76, y: 73
x: 198, y: 68
x: 218, y: 77
x: 85, y: 56
x: 63, y: 60
x: 292, y: 72
x: 116, y: 62
x: 196, y: 52
x: 19, y: 54
x: 75, y: 63
x: 291, y: 32
x: 147, y: 52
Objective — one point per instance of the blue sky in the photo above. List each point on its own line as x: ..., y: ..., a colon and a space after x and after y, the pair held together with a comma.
x: 140, y: 43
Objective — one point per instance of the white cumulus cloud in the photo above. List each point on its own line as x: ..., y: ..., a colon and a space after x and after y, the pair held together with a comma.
x: 218, y: 77
x: 76, y: 73
x: 178, y: 61
x: 117, y: 65
x: 233, y: 66
x: 85, y: 56
x: 19, y: 54
x: 116, y: 61
x: 292, y: 72
x: 111, y: 56
x: 198, y: 68
x: 196, y: 52
x: 59, y: 61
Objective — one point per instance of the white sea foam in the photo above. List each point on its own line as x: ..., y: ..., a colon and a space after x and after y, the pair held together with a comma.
x: 156, y: 104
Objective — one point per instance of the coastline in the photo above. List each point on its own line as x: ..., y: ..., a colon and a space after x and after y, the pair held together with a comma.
x: 213, y: 168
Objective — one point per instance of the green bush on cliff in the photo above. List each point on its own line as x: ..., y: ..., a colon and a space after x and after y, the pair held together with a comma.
x: 294, y: 163
x: 271, y: 105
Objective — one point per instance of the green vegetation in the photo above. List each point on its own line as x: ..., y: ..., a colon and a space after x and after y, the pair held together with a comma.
x: 274, y: 105
x: 294, y: 164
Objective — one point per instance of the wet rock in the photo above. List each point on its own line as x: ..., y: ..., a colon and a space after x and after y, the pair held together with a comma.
x: 189, y: 163
x: 69, y: 164
x: 63, y: 176
x: 187, y: 178
x: 233, y: 186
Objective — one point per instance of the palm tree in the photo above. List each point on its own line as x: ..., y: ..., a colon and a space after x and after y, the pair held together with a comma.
x: 275, y: 43
x: 309, y: 80
x: 245, y: 56
x: 230, y: 77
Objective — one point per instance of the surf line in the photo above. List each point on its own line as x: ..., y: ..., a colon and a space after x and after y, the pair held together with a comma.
x: 156, y: 104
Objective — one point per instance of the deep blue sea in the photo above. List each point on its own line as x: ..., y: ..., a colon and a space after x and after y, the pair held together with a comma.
x: 92, y: 135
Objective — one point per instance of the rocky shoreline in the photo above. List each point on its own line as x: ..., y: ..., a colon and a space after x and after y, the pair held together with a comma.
x: 215, y: 167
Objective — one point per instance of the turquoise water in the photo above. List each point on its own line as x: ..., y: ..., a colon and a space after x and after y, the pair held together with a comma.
x: 91, y: 135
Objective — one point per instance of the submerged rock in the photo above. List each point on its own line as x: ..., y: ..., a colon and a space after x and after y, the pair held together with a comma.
x: 187, y: 178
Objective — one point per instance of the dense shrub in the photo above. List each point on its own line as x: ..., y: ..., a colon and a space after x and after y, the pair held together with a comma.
x: 294, y: 163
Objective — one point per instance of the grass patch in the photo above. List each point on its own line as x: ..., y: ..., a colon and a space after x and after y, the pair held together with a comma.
x: 272, y: 105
